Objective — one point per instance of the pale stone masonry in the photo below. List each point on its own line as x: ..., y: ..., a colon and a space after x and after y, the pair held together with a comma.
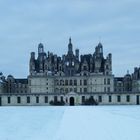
x: 71, y: 79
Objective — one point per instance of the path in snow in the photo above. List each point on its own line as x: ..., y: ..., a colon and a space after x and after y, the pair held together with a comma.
x: 70, y: 123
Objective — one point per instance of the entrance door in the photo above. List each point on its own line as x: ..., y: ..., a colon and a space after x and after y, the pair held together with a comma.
x: 137, y: 100
x: 72, y: 101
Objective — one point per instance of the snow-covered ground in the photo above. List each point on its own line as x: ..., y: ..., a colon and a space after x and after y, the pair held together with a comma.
x: 70, y: 123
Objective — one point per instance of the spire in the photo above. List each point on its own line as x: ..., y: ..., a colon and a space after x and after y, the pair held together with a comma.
x: 127, y: 72
x: 70, y: 40
x: 100, y: 44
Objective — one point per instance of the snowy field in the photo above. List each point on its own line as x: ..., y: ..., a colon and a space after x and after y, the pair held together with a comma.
x: 70, y: 123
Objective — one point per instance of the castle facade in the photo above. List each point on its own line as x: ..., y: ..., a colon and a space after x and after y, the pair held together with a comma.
x: 70, y: 79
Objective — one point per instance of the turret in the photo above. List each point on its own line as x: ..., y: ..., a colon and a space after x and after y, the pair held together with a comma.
x: 40, y: 48
x: 108, y: 64
x: 32, y: 63
x: 41, y: 57
x: 99, y: 51
x: 77, y: 54
x: 70, y: 47
x: 32, y: 56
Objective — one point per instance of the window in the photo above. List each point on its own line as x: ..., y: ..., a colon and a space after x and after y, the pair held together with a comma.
x: 80, y: 89
x: 80, y: 82
x: 66, y: 82
x: 85, y: 74
x: 85, y: 68
x: 108, y: 81
x: 75, y: 89
x: 100, y: 98
x: 104, y: 89
x: 61, y: 90
x: 18, y: 100
x: 104, y: 81
x: 118, y: 98
x: 83, y: 99
x: 110, y: 98
x: 85, y: 82
x: 37, y: 99
x: 107, y: 67
x: 9, y: 100
x: 128, y: 98
x: 46, y: 99
x: 108, y: 89
x: 71, y: 89
x: 107, y: 73
x: 66, y: 90
x: 28, y: 99
x: 61, y: 82
x: 71, y: 82
x: 85, y: 89
x: 75, y: 82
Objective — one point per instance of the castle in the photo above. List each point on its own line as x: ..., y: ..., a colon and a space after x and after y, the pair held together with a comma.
x: 72, y: 79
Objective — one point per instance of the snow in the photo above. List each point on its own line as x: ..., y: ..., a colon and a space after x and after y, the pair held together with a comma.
x: 70, y: 123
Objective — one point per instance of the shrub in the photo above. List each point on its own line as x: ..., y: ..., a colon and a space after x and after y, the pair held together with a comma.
x: 90, y: 101
x: 57, y: 103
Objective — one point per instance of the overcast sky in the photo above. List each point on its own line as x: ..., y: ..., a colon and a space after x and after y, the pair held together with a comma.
x: 26, y: 23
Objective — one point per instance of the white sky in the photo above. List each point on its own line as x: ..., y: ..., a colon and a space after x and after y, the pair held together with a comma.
x: 26, y: 23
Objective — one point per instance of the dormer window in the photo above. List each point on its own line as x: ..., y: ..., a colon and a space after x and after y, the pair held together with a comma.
x: 72, y: 63
x: 85, y: 68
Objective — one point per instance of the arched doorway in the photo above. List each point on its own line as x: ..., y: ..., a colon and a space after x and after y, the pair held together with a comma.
x: 71, y: 101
